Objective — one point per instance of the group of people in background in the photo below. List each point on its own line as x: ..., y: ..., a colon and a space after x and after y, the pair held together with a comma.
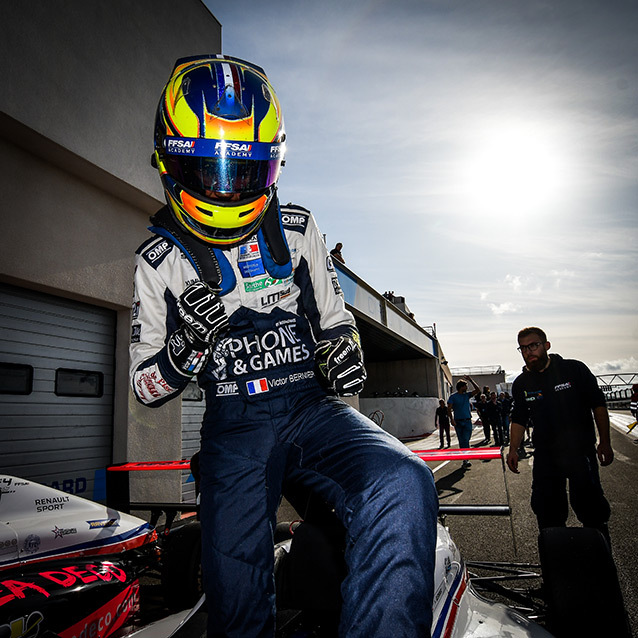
x: 493, y: 410
x: 562, y: 400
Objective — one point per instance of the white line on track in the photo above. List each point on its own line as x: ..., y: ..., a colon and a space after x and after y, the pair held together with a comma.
x: 622, y: 423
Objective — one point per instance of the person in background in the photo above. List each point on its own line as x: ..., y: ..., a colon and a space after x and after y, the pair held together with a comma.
x: 506, y: 409
x: 481, y: 406
x: 460, y: 412
x: 494, y: 416
x: 442, y: 421
x: 566, y: 407
x: 335, y: 253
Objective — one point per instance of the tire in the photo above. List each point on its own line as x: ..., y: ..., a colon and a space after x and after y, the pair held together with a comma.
x: 181, y: 567
x: 581, y: 584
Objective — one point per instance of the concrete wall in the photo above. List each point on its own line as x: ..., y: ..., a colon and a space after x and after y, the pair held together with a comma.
x: 404, y: 417
x: 88, y: 74
x: 81, y: 82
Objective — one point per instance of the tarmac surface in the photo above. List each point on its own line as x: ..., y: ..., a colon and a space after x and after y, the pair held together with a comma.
x: 515, y: 538
x: 489, y: 538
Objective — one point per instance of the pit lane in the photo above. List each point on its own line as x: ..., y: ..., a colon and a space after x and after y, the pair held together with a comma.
x: 499, y: 539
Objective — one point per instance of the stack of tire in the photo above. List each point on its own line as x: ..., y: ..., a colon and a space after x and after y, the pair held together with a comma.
x: 581, y: 584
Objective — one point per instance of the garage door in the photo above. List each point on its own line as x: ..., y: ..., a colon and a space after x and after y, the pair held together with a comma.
x: 193, y: 408
x: 56, y: 390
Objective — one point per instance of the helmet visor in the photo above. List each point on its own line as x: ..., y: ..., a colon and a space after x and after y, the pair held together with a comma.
x: 217, y: 166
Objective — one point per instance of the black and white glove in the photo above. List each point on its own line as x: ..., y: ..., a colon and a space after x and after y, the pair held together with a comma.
x: 204, y: 319
x: 202, y: 312
x: 340, y: 362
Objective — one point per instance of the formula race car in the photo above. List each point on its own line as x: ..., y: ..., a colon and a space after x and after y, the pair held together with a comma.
x: 72, y: 568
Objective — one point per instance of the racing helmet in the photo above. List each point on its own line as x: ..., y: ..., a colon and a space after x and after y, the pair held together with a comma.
x: 219, y: 146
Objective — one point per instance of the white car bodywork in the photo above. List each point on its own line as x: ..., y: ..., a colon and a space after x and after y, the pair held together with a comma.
x: 33, y: 532
x: 459, y: 612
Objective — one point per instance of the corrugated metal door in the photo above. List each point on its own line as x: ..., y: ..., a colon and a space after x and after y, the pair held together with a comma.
x: 193, y: 408
x: 56, y: 390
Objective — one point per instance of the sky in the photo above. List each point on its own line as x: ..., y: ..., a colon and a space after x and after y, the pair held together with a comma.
x: 477, y: 157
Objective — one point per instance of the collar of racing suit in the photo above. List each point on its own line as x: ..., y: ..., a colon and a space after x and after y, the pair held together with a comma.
x: 211, y: 263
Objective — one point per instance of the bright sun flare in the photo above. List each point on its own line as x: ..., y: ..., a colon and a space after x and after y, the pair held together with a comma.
x: 516, y: 171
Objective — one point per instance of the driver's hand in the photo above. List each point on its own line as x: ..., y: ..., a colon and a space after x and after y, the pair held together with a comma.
x: 202, y: 312
x: 340, y: 361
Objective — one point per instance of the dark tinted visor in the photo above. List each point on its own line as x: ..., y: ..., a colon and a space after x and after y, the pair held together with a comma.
x: 204, y: 175
x: 223, y: 166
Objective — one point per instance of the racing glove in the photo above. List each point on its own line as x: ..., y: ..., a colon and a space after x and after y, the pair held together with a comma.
x: 340, y: 362
x: 203, y: 320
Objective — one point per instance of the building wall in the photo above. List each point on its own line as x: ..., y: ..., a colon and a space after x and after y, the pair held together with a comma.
x: 404, y: 417
x: 81, y: 83
x: 88, y: 75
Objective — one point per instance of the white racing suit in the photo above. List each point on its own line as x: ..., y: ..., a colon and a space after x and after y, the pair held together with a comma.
x: 269, y: 420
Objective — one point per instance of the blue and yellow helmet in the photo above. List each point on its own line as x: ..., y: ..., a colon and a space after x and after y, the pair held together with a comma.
x: 219, y: 146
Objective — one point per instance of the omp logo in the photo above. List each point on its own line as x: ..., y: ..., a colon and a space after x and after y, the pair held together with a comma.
x: 172, y: 144
x: 294, y: 220
x: 233, y: 146
x: 157, y: 251
x: 227, y: 389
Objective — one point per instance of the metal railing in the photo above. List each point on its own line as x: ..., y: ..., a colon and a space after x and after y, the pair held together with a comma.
x: 618, y: 389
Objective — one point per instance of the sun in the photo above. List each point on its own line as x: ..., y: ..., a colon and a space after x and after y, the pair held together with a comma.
x: 514, y: 170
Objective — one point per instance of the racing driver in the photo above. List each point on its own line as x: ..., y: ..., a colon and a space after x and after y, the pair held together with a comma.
x: 241, y: 294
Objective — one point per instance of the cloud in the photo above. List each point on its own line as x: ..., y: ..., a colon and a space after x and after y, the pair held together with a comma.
x: 506, y: 308
x: 525, y: 285
x: 560, y: 275
x: 617, y: 366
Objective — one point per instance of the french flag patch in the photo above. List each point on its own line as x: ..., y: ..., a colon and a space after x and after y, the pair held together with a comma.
x: 249, y: 249
x: 257, y: 386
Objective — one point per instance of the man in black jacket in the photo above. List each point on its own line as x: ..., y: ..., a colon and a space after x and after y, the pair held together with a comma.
x: 562, y: 400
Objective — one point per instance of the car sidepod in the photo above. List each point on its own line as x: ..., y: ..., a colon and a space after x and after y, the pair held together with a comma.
x: 459, y: 612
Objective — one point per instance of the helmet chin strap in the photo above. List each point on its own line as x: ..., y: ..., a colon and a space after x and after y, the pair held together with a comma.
x: 201, y: 255
x: 272, y: 242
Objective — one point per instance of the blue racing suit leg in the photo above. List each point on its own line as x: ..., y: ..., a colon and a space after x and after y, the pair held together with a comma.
x: 241, y: 466
x: 382, y: 492
x: 386, y: 499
